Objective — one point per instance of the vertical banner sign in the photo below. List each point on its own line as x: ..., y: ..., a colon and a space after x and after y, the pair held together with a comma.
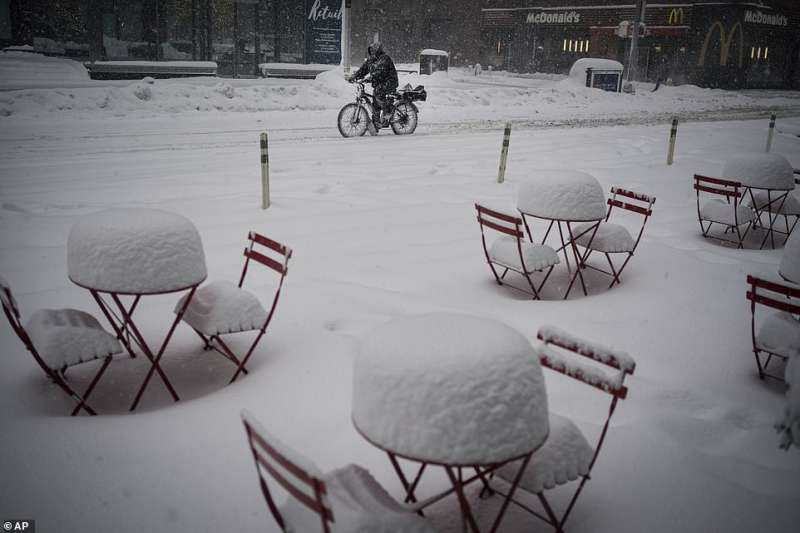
x: 501, y: 174
x: 771, y: 131
x: 323, y: 31
x: 264, y: 172
x: 673, y: 132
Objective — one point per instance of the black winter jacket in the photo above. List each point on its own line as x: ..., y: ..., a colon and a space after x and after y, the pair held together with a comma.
x: 381, y: 71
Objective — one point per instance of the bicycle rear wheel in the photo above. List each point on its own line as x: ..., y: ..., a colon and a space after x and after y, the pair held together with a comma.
x: 352, y: 120
x: 404, y: 119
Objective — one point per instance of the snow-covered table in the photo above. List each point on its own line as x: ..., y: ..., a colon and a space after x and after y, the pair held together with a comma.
x: 767, y: 180
x: 452, y: 391
x: 789, y: 267
x: 564, y: 198
x: 135, y: 253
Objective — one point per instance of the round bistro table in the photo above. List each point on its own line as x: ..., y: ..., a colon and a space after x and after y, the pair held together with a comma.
x: 136, y: 253
x: 450, y: 391
x: 564, y: 198
x: 767, y: 179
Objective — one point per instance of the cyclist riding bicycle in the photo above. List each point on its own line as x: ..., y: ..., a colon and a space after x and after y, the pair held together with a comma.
x: 383, y: 76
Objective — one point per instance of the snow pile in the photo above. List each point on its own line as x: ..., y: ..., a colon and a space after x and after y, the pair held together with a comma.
x: 359, y: 505
x: 434, y: 52
x: 506, y: 251
x: 577, y: 72
x: 789, y: 267
x: 222, y: 307
x: 26, y: 69
x: 758, y: 169
x: 66, y: 337
x: 609, y: 237
x: 449, y: 388
x: 565, y: 455
x: 135, y: 251
x: 562, y: 195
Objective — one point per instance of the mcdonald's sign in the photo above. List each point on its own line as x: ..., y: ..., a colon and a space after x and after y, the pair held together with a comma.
x: 725, y: 40
x: 675, y: 16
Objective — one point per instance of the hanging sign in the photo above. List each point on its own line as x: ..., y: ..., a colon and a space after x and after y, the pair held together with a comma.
x: 323, y: 31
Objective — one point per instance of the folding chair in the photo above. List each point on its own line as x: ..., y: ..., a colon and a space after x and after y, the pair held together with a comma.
x: 62, y: 338
x: 346, y: 500
x: 614, y: 238
x: 220, y: 307
x: 729, y: 212
x: 777, y: 335
x: 567, y: 454
x: 512, y: 252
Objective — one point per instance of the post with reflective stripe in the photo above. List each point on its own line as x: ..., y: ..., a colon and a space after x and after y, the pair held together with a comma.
x: 264, y: 172
x: 501, y: 175
x: 772, y: 118
x: 673, y: 132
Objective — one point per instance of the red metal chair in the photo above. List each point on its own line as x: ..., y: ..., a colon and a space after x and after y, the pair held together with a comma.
x: 567, y: 454
x: 220, y: 307
x: 777, y: 335
x: 346, y: 500
x: 59, y: 339
x: 729, y: 213
x: 614, y: 238
x: 512, y: 252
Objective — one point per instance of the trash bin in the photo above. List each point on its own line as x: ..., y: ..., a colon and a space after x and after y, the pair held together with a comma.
x: 431, y: 61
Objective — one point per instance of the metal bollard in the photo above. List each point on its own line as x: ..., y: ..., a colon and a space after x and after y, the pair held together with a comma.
x: 501, y: 174
x: 673, y: 132
x: 264, y: 172
x: 772, y: 118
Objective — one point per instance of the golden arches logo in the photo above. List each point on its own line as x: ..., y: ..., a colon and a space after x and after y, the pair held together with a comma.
x: 675, y: 16
x: 724, y: 44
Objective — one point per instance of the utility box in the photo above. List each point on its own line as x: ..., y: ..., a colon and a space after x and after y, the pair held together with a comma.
x: 605, y: 74
x: 431, y: 61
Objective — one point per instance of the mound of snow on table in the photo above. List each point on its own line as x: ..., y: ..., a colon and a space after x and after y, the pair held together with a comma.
x: 450, y: 389
x: 766, y: 171
x: 135, y: 251
x: 562, y: 195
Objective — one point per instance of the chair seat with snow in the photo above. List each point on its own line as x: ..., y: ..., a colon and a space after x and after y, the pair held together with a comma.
x: 510, y: 251
x: 566, y: 454
x: 776, y: 334
x: 346, y: 500
x: 612, y: 238
x: 60, y: 339
x: 729, y: 213
x: 221, y: 307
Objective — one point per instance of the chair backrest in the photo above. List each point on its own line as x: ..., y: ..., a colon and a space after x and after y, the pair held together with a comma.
x: 565, y: 363
x: 292, y: 472
x: 773, y: 293
x: 718, y: 186
x: 634, y: 202
x: 269, y: 248
x: 504, y: 223
x: 11, y: 310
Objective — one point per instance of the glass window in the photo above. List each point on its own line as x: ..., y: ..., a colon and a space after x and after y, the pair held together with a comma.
x: 5, y: 20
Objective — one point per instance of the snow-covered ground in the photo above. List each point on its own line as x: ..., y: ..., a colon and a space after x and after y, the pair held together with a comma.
x: 381, y: 228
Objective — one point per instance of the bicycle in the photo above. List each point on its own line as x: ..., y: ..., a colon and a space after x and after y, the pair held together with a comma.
x: 356, y: 118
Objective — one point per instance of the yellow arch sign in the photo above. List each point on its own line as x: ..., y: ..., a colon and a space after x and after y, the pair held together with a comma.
x: 724, y: 42
x: 675, y: 16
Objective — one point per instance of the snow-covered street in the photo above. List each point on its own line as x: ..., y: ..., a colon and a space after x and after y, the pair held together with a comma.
x: 383, y: 227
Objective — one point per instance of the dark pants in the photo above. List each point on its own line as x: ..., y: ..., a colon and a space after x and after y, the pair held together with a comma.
x: 380, y: 92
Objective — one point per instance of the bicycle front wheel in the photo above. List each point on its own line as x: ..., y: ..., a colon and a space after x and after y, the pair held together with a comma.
x: 404, y: 119
x: 352, y: 120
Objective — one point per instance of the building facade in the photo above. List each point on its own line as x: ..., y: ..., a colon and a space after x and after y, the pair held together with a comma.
x: 733, y: 44
x: 237, y: 34
x: 714, y: 43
